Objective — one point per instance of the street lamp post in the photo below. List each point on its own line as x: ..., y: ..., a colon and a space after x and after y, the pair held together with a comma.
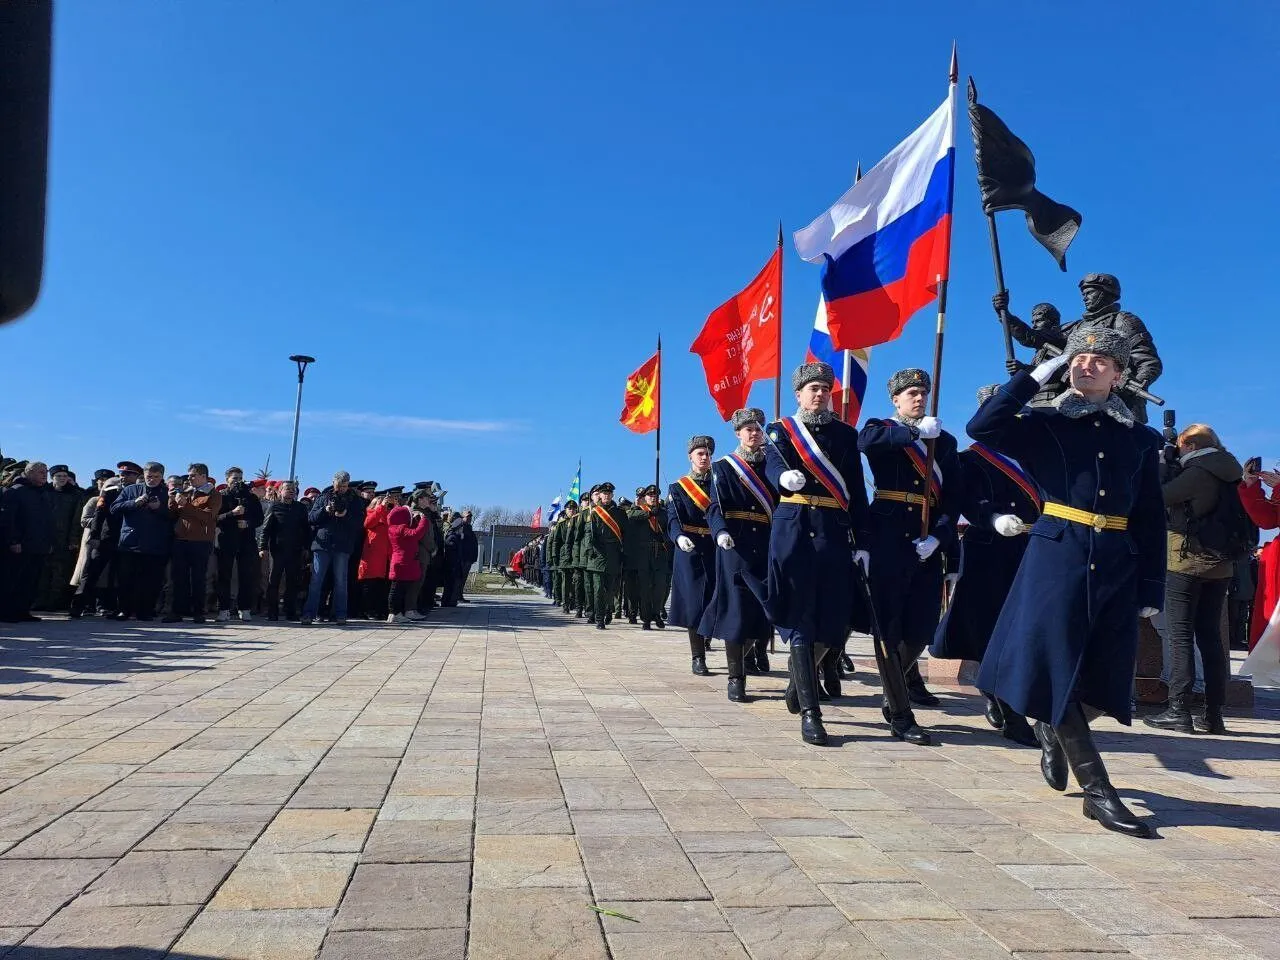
x: 301, y: 360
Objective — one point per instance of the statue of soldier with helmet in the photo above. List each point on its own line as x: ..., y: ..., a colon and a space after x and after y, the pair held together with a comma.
x: 1048, y: 337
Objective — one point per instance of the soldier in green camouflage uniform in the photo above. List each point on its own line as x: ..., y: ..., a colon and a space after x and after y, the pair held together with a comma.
x: 607, y: 532
x: 635, y: 559
x: 581, y: 596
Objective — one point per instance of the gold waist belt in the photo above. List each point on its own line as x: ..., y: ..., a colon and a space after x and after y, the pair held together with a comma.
x: 897, y: 496
x: 704, y: 531
x: 746, y: 515
x: 1099, y: 521
x: 831, y: 503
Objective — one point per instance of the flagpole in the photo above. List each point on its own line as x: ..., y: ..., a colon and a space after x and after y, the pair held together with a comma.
x: 777, y: 382
x: 931, y: 445
x: 1000, y: 287
x: 847, y: 372
x: 657, y: 443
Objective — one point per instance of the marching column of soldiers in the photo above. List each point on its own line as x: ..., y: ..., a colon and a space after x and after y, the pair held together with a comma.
x: 1062, y: 553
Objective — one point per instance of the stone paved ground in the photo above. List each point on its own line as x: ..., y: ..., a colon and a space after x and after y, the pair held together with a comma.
x: 471, y: 788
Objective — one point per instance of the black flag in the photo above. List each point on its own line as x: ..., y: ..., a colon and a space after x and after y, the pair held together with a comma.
x: 1007, y: 179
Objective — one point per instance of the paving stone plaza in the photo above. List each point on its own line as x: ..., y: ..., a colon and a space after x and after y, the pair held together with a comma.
x: 474, y: 787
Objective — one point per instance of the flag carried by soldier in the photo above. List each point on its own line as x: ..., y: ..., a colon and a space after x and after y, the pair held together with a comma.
x: 739, y: 343
x: 640, y: 401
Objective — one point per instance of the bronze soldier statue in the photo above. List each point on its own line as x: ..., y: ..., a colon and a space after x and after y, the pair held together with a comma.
x: 1101, y: 294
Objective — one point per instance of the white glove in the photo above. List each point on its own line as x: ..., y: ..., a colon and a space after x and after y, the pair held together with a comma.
x: 1008, y: 525
x: 724, y: 541
x: 950, y: 579
x: 929, y: 427
x: 793, y: 480
x: 684, y: 543
x: 1046, y: 371
x: 863, y: 559
x: 1148, y: 612
x: 925, y: 548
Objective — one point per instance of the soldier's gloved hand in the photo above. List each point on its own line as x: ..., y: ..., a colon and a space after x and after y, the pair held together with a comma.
x: 1001, y: 301
x: 925, y: 547
x: 684, y: 543
x: 929, y: 427
x: 792, y: 480
x: 1148, y: 612
x: 724, y: 541
x: 1049, y: 369
x: 863, y: 559
x: 1008, y: 525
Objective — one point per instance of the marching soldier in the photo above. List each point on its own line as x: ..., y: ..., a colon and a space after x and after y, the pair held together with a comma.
x: 1067, y: 637
x: 693, y: 571
x: 819, y: 528
x: 1001, y: 503
x: 653, y: 570
x: 635, y: 559
x: 607, y: 525
x: 742, y: 503
x: 907, y: 573
x: 555, y: 538
x: 578, y: 590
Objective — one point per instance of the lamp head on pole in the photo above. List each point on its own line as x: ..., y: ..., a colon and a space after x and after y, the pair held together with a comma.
x: 301, y: 359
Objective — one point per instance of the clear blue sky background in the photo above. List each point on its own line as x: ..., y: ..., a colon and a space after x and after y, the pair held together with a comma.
x: 479, y: 216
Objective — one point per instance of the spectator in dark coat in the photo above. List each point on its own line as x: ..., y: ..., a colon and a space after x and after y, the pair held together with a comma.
x: 284, y: 537
x: 338, y: 524
x: 29, y: 540
x: 461, y: 551
x: 146, y: 540
x: 238, y: 523
x: 55, y: 578
x: 103, y: 545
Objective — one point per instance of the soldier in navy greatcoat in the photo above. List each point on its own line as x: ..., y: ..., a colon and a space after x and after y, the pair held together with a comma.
x: 819, y: 528
x: 693, y: 575
x: 1000, y: 502
x: 1067, y: 637
x: 742, y: 503
x: 907, y: 569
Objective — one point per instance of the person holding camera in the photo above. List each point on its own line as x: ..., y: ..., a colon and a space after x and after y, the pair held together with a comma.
x: 337, y: 524
x: 146, y: 537
x: 238, y: 523
x: 1200, y: 481
x: 194, y: 505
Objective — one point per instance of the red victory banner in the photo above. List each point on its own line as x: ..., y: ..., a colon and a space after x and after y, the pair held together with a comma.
x: 739, y: 343
x: 640, y: 402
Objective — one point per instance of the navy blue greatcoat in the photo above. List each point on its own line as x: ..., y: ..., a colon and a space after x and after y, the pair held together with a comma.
x: 1069, y: 629
x: 736, y: 613
x: 693, y: 575
x: 810, y: 586
x: 988, y: 561
x: 907, y: 593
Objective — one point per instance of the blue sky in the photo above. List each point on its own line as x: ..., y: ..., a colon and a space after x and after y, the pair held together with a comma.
x: 479, y: 217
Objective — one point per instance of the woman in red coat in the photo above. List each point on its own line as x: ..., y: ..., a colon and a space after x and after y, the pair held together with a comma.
x: 1265, y: 512
x: 404, y: 531
x: 375, y: 559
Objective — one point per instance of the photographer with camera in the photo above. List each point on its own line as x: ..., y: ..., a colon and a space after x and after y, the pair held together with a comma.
x: 194, y: 504
x: 337, y: 524
x: 238, y: 523
x: 1206, y: 536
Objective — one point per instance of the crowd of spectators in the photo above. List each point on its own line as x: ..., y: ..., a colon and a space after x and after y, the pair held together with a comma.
x: 137, y: 544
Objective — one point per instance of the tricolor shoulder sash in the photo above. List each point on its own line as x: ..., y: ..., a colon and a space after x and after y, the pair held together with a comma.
x: 817, y: 462
x: 752, y: 481
x: 1011, y: 469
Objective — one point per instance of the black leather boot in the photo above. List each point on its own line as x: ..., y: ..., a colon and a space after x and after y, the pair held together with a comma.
x: 698, y: 650
x: 916, y: 689
x: 792, y: 695
x: 846, y: 667
x: 738, y: 690
x: 830, y: 667
x: 762, y: 656
x: 804, y: 670
x: 907, y: 730
x: 1016, y: 727
x: 1175, y: 716
x: 994, y: 715
x: 733, y: 655
x: 1053, y: 762
x: 1101, y: 802
x: 1211, y: 722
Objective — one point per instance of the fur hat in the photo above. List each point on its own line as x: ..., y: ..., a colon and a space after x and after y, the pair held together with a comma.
x: 701, y: 440
x: 987, y: 392
x: 1102, y: 341
x: 747, y: 415
x: 911, y: 377
x: 816, y: 372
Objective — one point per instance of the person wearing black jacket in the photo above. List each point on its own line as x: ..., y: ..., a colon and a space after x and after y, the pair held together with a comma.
x: 104, y: 541
x: 461, y: 551
x: 436, y: 571
x: 238, y: 522
x: 284, y: 536
x: 29, y: 539
x: 338, y: 527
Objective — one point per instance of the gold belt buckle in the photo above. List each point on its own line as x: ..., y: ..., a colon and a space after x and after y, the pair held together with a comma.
x: 1099, y: 523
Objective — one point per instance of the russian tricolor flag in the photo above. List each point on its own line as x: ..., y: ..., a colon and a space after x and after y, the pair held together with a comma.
x: 885, y: 243
x: 821, y: 348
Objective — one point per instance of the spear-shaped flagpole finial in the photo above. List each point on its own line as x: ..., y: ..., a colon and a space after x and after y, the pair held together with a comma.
x: 955, y: 64
x: 857, y: 174
x: 779, y: 233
